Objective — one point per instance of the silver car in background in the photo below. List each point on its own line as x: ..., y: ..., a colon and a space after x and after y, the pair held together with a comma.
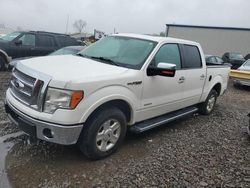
x: 243, y: 75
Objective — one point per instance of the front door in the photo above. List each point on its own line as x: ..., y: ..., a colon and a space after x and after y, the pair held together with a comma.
x: 162, y: 94
x: 22, y: 46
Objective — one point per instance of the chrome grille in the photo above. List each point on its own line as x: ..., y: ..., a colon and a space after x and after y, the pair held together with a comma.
x: 26, y: 88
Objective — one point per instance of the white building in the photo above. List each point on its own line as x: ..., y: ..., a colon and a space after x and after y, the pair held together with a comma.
x: 214, y: 40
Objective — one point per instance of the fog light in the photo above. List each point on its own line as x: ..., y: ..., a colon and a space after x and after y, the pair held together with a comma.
x: 48, y: 133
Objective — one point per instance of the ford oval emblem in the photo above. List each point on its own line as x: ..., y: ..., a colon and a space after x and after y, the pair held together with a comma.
x: 18, y: 84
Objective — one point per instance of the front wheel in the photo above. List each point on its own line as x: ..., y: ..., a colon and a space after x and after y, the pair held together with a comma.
x: 207, y: 107
x: 103, y: 133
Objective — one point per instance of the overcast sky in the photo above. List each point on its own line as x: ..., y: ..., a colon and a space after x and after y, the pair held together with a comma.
x: 136, y: 16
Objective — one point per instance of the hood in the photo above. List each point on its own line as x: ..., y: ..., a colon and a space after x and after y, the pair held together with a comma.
x: 69, y: 67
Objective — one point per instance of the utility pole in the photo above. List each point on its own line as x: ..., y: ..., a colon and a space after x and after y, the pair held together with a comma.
x: 67, y: 24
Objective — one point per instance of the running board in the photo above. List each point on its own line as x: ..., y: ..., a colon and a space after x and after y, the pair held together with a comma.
x: 155, y: 122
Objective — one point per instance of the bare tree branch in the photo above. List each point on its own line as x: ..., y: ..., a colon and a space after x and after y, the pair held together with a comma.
x: 79, y: 25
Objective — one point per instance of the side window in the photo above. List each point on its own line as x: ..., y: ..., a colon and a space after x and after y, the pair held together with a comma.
x: 213, y: 60
x: 28, y: 40
x: 192, y: 58
x: 67, y: 41
x: 168, y: 53
x: 46, y: 41
x: 62, y: 40
x: 219, y: 60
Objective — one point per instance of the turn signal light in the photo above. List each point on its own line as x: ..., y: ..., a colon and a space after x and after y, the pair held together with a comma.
x: 76, y: 97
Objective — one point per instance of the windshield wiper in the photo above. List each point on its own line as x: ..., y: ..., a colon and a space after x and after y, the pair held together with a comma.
x: 81, y: 55
x: 106, y: 60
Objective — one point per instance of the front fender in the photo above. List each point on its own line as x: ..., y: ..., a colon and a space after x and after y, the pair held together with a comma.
x: 107, y: 94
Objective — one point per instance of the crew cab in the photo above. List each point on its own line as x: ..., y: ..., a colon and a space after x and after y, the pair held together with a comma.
x: 122, y: 82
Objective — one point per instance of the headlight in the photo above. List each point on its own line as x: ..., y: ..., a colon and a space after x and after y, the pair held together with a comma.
x: 59, y: 98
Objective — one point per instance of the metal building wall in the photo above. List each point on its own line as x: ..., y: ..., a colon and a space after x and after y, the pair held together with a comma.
x: 214, y: 41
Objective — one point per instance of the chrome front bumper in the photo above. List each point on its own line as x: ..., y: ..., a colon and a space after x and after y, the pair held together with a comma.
x: 60, y: 134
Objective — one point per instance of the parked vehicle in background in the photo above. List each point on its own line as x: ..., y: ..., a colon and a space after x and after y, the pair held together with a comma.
x: 213, y: 60
x: 121, y: 82
x: 245, y: 66
x: 69, y: 50
x: 242, y: 74
x: 247, y: 57
x: 30, y: 44
x: 234, y: 58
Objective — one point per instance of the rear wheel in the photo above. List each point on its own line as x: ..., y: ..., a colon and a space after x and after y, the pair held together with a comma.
x: 103, y: 133
x: 207, y: 107
x: 2, y: 63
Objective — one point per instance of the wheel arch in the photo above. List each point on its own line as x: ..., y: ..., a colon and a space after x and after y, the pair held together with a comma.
x: 217, y: 87
x: 121, y: 104
x: 4, y: 55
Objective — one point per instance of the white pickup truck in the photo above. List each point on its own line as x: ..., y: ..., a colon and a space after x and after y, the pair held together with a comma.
x: 124, y: 81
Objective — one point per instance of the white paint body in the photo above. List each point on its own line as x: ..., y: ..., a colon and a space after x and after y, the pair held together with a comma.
x: 102, y: 83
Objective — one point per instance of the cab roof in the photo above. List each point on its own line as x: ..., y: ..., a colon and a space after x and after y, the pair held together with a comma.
x: 157, y: 38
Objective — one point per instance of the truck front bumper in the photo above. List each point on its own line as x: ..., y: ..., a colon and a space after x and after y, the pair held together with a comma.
x: 56, y: 133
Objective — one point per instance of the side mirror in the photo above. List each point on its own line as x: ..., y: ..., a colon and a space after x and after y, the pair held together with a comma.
x: 18, y: 42
x: 162, y: 69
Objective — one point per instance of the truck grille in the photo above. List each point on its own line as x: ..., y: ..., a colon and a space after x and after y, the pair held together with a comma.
x: 25, y: 88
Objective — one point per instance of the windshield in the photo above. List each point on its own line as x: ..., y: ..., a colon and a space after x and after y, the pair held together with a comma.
x: 247, y: 63
x: 123, y: 51
x: 65, y: 51
x: 10, y: 37
x: 236, y: 56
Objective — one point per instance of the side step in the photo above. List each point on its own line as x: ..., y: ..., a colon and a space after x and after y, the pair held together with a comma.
x: 155, y: 122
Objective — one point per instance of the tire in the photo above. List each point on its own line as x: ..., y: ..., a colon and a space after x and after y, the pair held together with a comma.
x: 237, y: 85
x: 2, y: 63
x: 111, y: 126
x: 207, y: 107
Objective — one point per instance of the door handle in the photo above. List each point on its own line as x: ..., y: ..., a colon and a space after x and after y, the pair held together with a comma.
x: 181, y: 79
x: 202, y: 76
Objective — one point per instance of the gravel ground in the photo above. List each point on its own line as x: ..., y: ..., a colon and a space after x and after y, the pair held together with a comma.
x: 198, y: 151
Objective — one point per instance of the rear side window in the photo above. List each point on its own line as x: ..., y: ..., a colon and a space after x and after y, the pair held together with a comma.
x: 168, y: 53
x: 192, y: 58
x: 46, y: 41
x: 67, y: 41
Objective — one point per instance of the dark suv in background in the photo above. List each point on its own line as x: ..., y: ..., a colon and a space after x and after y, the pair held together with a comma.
x: 32, y: 43
x: 234, y: 58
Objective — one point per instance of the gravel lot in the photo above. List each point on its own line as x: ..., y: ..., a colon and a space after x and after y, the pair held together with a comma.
x: 198, y: 151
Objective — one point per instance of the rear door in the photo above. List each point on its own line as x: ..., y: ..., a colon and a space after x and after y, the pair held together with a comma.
x: 194, y: 74
x: 46, y: 44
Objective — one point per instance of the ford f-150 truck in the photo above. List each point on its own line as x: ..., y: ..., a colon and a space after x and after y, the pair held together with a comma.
x: 123, y: 81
